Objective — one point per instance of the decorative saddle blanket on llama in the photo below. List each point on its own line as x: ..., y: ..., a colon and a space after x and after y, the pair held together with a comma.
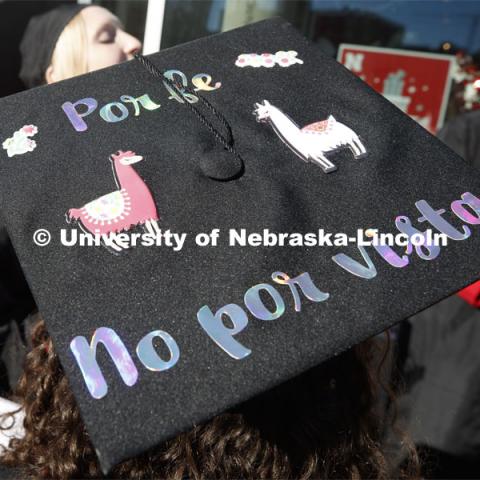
x: 318, y: 127
x: 108, y: 209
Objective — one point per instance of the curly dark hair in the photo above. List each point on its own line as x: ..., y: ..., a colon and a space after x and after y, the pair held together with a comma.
x: 322, y: 424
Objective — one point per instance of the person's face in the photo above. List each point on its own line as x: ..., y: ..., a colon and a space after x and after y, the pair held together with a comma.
x: 107, y: 43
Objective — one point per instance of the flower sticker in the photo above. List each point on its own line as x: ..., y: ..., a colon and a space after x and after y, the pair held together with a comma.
x: 268, y: 60
x: 20, y: 142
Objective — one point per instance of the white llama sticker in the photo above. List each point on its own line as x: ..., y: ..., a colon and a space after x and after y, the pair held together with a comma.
x: 312, y: 142
x: 20, y: 142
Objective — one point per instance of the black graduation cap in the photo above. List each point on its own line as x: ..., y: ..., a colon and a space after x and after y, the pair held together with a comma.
x: 156, y: 338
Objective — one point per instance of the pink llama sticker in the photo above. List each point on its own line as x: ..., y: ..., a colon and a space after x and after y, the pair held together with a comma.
x: 312, y: 142
x: 268, y: 60
x: 130, y: 205
x: 20, y: 142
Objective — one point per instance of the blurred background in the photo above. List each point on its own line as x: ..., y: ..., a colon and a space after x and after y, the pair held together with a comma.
x: 436, y: 26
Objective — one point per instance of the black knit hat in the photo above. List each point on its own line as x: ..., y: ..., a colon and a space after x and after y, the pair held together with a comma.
x: 155, y: 338
x: 39, y: 40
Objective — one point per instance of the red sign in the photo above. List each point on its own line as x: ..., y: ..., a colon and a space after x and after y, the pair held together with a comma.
x: 416, y: 82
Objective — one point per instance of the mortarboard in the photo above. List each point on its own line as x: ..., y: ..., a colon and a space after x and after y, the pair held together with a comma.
x: 271, y: 150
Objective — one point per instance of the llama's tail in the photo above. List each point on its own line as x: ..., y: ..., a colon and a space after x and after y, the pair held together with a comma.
x: 72, y: 214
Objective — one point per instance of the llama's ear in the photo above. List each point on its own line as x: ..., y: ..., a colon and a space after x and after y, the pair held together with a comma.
x: 266, y: 103
x: 331, y: 118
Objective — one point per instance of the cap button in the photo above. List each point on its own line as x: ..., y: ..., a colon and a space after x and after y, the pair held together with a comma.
x: 221, y: 164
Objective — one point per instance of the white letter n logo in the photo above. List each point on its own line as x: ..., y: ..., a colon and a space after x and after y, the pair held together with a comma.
x: 354, y: 61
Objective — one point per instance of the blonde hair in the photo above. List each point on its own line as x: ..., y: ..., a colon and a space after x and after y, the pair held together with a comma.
x: 69, y: 57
